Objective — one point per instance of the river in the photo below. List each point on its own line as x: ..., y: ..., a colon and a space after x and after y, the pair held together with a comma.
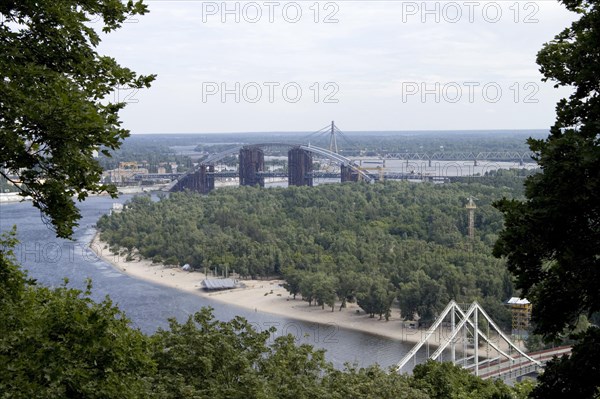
x: 50, y: 260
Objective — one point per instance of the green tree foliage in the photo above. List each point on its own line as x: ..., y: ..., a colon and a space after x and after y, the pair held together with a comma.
x: 574, y: 377
x: 423, y: 295
x: 206, y: 356
x: 523, y: 388
x: 59, y: 343
x: 347, y: 286
x: 552, y: 239
x: 375, y: 296
x: 446, y: 381
x: 53, y: 109
x: 509, y: 178
x: 332, y: 243
x: 292, y: 281
x: 371, y: 382
x: 12, y: 280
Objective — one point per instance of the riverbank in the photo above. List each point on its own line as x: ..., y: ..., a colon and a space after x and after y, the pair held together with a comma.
x: 269, y: 296
x: 12, y: 197
x: 261, y: 296
x: 16, y: 197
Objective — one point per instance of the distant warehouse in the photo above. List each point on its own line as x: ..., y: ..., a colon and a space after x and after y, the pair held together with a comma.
x: 219, y: 284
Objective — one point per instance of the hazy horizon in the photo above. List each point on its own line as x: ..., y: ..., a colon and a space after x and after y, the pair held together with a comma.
x: 356, y: 132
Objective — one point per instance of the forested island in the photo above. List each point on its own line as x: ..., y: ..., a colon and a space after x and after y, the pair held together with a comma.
x: 396, y: 246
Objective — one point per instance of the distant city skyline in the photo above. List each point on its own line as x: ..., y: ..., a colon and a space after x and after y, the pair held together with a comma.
x: 370, y: 66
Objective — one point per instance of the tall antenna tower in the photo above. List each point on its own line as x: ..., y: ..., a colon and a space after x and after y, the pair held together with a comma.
x: 333, y: 147
x: 471, y: 208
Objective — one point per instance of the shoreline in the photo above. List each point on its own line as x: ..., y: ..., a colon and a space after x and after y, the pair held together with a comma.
x: 11, y: 198
x: 269, y: 296
x: 265, y: 296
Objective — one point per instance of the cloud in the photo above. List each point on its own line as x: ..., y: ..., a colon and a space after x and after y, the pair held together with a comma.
x: 372, y: 50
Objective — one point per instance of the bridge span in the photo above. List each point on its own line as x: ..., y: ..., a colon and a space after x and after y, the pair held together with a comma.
x: 251, y: 171
x: 510, y: 370
x: 470, y: 338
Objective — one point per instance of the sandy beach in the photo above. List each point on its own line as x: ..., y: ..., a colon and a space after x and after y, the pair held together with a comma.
x: 266, y: 296
x: 260, y: 296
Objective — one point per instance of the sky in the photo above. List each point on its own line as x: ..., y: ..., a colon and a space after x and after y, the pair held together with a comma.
x: 237, y: 66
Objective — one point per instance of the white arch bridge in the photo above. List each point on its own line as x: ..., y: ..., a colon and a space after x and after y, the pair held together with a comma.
x: 470, y: 338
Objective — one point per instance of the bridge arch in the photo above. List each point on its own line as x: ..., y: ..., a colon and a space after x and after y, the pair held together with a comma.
x: 202, y: 178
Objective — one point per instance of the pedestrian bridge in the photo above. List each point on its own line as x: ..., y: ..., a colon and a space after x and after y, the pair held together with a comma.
x: 470, y: 338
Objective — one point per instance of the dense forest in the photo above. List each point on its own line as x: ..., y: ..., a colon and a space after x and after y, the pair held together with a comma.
x: 385, y: 246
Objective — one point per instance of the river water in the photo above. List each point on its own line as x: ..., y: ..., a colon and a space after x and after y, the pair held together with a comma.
x: 50, y: 260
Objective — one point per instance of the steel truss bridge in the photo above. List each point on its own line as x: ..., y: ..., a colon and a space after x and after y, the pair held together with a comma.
x: 488, y: 353
x: 463, y: 156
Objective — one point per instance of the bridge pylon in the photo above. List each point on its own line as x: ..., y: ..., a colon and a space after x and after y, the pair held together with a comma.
x: 349, y: 174
x: 470, y: 338
x: 299, y: 167
x: 333, y: 147
x: 201, y: 181
x: 252, y: 161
